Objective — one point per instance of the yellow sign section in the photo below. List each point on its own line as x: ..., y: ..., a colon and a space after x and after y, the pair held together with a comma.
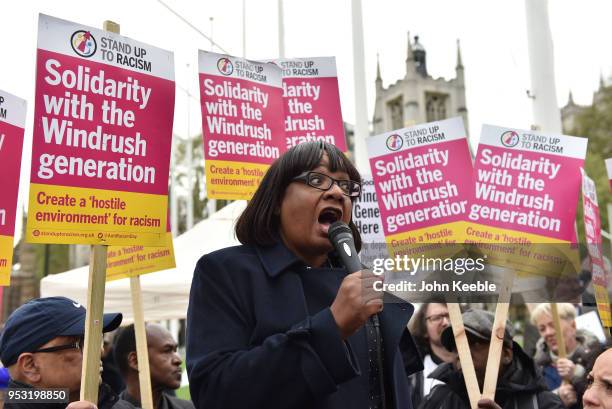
x: 443, y: 240
x: 603, y: 305
x: 235, y: 180
x: 130, y: 261
x: 529, y: 254
x: 6, y: 259
x: 72, y: 215
x: 479, y: 233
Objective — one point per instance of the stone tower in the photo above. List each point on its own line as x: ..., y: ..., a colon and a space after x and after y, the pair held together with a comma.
x: 418, y: 97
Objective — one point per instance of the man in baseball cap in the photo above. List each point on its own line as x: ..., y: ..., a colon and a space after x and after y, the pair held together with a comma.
x: 41, y: 345
x: 519, y: 386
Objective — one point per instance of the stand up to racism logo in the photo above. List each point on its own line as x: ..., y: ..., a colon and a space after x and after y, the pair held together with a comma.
x: 395, y: 142
x: 225, y: 66
x: 83, y: 43
x: 509, y: 139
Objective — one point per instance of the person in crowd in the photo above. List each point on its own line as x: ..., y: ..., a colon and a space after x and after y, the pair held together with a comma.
x: 164, y: 364
x: 426, y: 327
x: 564, y: 376
x: 279, y: 322
x: 519, y: 385
x: 110, y: 372
x: 598, y: 394
x: 42, y: 347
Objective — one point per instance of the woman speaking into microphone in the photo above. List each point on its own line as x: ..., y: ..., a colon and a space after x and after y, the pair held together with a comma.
x: 279, y: 322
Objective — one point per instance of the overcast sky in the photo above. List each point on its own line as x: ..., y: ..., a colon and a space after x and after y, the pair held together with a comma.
x: 492, y: 34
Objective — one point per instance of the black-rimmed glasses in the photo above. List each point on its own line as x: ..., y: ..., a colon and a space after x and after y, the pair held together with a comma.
x: 324, y: 182
x: 437, y: 318
x: 78, y: 345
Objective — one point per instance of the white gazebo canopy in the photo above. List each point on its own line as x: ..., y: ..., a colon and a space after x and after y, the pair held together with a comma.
x: 165, y: 293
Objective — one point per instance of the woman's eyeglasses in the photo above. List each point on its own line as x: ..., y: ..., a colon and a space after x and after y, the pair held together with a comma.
x: 323, y: 182
x: 78, y: 345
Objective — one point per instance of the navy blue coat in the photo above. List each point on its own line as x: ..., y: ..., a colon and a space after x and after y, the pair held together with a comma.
x: 251, y: 342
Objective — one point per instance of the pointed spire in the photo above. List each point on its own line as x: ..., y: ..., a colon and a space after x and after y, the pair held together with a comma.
x: 379, y: 83
x: 459, y: 60
x: 601, y: 81
x: 410, y: 64
x: 570, y: 100
x: 409, y: 55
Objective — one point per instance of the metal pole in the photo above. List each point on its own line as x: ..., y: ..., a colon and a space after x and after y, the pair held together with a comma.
x: 546, y: 114
x: 243, y: 28
x: 361, y: 105
x: 281, y: 30
x: 212, y: 43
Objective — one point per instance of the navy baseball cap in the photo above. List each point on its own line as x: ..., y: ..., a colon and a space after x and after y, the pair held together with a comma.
x: 40, y: 320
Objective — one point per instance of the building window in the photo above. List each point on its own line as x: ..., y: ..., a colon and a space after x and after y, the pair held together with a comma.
x: 436, y: 106
x: 396, y: 108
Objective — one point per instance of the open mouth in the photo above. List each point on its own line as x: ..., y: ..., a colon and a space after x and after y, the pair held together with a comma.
x: 329, y: 215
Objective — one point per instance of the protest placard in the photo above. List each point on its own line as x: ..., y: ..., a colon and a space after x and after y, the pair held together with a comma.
x: 103, y: 115
x: 423, y: 181
x: 526, y: 193
x: 12, y: 123
x: 312, y: 101
x: 242, y: 122
x: 135, y: 260
x: 592, y: 230
x: 366, y: 216
x: 527, y: 185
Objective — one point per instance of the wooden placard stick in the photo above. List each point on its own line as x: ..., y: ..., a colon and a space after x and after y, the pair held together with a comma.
x: 94, y: 319
x: 497, y: 334
x: 561, y: 351
x: 90, y: 371
x: 465, y: 356
x: 142, y: 350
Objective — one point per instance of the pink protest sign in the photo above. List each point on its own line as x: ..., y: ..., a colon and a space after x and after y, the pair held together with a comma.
x: 422, y: 177
x: 312, y: 101
x: 242, y: 122
x: 12, y: 122
x: 103, y: 116
x: 592, y: 230
x: 526, y: 184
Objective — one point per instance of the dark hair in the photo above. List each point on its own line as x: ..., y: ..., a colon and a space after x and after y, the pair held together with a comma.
x: 418, y: 324
x: 259, y: 223
x: 124, y: 343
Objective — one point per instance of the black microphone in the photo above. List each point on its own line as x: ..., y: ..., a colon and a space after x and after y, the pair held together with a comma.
x: 341, y: 237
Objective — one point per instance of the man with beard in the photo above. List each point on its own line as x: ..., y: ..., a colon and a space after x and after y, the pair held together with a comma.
x: 426, y: 327
x: 164, y: 363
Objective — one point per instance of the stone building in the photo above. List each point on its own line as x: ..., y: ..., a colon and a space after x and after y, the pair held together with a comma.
x: 571, y: 110
x: 418, y: 97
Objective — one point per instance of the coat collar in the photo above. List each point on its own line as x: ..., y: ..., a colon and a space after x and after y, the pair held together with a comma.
x: 276, y: 258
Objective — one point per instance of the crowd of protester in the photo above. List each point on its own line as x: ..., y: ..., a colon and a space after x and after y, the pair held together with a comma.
x: 41, y: 347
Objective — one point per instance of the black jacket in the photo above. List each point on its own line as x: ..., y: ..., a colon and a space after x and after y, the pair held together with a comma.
x: 516, y: 388
x: 107, y: 399
x: 252, y: 343
x: 166, y: 401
